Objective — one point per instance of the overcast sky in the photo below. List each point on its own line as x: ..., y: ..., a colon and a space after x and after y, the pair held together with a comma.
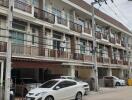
x: 120, y: 10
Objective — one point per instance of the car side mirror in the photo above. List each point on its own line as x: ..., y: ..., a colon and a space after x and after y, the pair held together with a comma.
x: 57, y: 88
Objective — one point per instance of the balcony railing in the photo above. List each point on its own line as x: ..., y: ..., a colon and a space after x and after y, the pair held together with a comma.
x: 3, y: 46
x: 105, y: 36
x: 125, y: 62
x: 100, y: 59
x: 25, y: 50
x: 118, y: 41
x: 87, y: 30
x: 98, y: 35
x: 22, y: 6
x: 61, y: 21
x: 112, y: 40
x: 106, y: 60
x: 83, y: 57
x: 44, y: 15
x: 123, y: 43
x: 114, y: 61
x: 4, y: 3
x: 75, y: 27
x: 120, y: 62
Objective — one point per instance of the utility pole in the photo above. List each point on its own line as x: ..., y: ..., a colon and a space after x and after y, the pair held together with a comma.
x: 8, y: 54
x: 94, y: 41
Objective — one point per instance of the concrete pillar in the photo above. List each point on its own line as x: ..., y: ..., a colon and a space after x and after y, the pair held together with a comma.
x: 71, y: 71
x: 109, y: 72
x: 92, y: 74
x: 121, y: 74
x: 2, y: 72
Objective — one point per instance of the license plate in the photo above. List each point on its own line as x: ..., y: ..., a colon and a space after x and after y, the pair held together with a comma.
x: 28, y: 99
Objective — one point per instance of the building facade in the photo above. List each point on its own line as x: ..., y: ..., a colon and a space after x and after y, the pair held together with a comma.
x: 54, y: 37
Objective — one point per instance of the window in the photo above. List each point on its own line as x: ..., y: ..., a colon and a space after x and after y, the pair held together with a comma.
x: 66, y: 84
x: 82, y: 46
x: 49, y: 84
x: 56, y: 41
x: 56, y: 11
x: 17, y: 37
x: 98, y: 28
x: 18, y: 26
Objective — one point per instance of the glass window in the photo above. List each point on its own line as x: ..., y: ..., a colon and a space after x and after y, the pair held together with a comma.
x: 56, y: 41
x: 17, y: 37
x: 82, y: 46
x: 66, y: 84
x: 49, y: 84
x: 18, y: 26
x: 56, y: 11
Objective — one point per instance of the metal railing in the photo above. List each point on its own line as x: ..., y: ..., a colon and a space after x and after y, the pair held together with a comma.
x: 44, y: 15
x: 112, y: 40
x: 75, y: 27
x: 22, y: 6
x: 83, y: 57
x: 62, y: 21
x: 4, y: 3
x: 114, y: 61
x: 87, y: 30
x: 98, y: 35
x: 118, y: 41
x: 26, y: 50
x: 105, y: 36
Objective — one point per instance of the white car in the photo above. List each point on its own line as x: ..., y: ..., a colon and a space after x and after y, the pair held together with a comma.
x: 116, y: 80
x: 57, y: 89
x: 85, y: 84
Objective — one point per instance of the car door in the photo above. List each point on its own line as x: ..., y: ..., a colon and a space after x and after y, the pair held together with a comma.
x: 66, y: 90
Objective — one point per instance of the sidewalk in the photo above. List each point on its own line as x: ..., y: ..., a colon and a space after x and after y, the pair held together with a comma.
x: 103, y: 90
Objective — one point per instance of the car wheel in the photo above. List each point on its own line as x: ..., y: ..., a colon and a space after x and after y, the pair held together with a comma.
x: 49, y: 98
x: 118, y: 84
x: 79, y: 96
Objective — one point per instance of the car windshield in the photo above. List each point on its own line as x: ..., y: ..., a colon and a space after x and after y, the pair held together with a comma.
x: 49, y: 84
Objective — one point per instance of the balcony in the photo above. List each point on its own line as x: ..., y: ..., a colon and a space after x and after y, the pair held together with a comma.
x: 3, y: 46
x: 75, y: 27
x: 125, y: 62
x: 87, y: 30
x: 106, y: 60
x: 83, y: 57
x: 22, y: 6
x: 112, y: 40
x: 4, y: 3
x: 120, y: 62
x: 118, y: 41
x: 123, y: 43
x: 44, y: 15
x: 105, y: 36
x: 26, y: 50
x: 62, y: 21
x: 100, y: 59
x: 98, y: 35
x: 114, y: 61
x: 103, y: 60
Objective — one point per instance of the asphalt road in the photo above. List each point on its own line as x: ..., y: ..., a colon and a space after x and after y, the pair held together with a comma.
x: 119, y: 93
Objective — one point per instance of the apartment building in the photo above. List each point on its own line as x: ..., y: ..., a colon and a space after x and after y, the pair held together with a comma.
x: 55, y: 37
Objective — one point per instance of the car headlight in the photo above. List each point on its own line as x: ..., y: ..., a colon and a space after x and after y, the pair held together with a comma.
x: 42, y: 93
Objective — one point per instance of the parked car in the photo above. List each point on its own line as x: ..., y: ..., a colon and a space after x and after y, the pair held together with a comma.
x: 23, y: 85
x: 85, y: 84
x: 57, y: 89
x: 116, y: 81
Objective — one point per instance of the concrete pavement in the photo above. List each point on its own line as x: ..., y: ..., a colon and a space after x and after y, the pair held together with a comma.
x: 118, y: 93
